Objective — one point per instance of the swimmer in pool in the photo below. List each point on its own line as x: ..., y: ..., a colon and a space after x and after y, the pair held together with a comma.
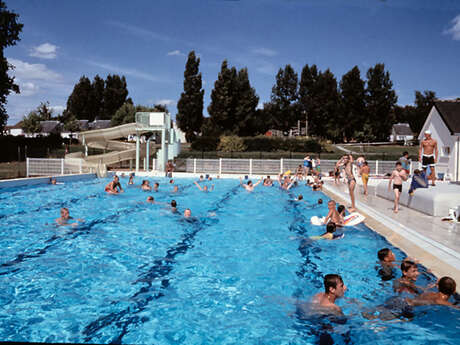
x: 299, y: 198
x: 156, y: 186
x: 446, y: 288
x: 175, y: 189
x: 387, y: 263
x: 329, y: 234
x: 52, y: 181
x: 187, y: 213
x: 171, y: 181
x: 333, y: 215
x: 146, y: 185
x: 250, y: 186
x: 173, y: 206
x: 409, y: 277
x: 205, y: 188
x: 114, y: 187
x: 268, y: 182
x: 65, y: 218
x: 131, y: 179
x: 334, y: 288
x: 150, y: 199
x: 320, y: 201
x: 341, y: 210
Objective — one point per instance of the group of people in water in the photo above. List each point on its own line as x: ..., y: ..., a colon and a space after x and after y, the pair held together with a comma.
x: 334, y: 287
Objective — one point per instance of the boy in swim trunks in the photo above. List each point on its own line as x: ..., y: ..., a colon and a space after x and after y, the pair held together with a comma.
x: 397, y: 176
x: 365, y: 171
x: 409, y: 276
x: 429, y: 148
x: 333, y: 215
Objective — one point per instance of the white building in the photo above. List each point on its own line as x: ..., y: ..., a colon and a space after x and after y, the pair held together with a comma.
x: 444, y: 123
x: 401, y: 132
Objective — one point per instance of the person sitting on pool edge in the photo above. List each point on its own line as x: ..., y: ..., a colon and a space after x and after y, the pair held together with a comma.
x: 446, y: 288
x: 333, y: 215
x: 329, y: 234
x: 334, y: 288
x: 250, y: 186
x: 114, y: 187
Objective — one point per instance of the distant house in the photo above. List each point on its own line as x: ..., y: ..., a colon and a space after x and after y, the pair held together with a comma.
x: 50, y: 127
x: 83, y: 125
x: 444, y: 123
x: 401, y: 132
x: 99, y: 124
x: 14, y: 130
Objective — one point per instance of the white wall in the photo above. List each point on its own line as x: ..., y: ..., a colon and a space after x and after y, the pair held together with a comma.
x: 441, y: 134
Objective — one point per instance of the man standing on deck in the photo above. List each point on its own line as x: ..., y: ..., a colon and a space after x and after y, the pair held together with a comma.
x: 428, y: 155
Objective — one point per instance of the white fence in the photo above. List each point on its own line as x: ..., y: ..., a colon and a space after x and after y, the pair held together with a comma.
x: 51, y: 167
x: 273, y: 166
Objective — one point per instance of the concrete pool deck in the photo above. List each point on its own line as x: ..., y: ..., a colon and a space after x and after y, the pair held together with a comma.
x: 434, y: 243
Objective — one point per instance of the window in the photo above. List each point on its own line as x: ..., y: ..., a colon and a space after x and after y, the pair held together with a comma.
x: 445, y: 151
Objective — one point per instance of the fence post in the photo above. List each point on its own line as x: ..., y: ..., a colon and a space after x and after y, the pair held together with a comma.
x: 281, y: 165
x: 27, y: 166
x: 250, y: 166
x: 81, y: 166
x: 376, y: 167
x: 62, y: 166
x: 411, y: 168
x: 220, y: 166
x: 194, y: 165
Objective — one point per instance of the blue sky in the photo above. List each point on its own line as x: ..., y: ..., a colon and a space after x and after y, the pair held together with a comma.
x: 148, y: 41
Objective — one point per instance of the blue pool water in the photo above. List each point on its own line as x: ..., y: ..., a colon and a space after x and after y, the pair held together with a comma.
x: 136, y: 273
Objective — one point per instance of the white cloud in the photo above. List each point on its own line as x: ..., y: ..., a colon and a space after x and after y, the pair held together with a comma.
x: 455, y: 29
x: 166, y: 102
x: 27, y: 88
x: 57, y: 109
x: 266, y: 68
x: 264, y: 52
x: 38, y: 71
x: 125, y: 71
x: 44, y: 51
x: 175, y: 53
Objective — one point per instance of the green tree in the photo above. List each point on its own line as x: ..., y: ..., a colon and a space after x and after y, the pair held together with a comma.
x: 190, y: 105
x: 115, y: 95
x: 127, y: 113
x: 284, y: 98
x: 96, y: 99
x: 353, y: 107
x: 308, y: 98
x: 246, y: 104
x: 9, y: 36
x: 328, y: 106
x: 44, y: 111
x: 222, y: 106
x: 380, y: 102
x: 423, y: 104
x: 79, y: 101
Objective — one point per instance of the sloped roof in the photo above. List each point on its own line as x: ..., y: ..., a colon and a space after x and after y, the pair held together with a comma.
x: 402, y: 129
x: 99, y: 124
x: 84, y: 125
x: 450, y: 113
x: 16, y: 126
x: 50, y: 126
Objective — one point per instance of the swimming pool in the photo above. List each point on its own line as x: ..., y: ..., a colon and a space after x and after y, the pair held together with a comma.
x: 136, y: 273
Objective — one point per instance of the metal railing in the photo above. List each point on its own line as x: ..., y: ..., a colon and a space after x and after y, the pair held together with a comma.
x: 53, y: 166
x: 275, y: 166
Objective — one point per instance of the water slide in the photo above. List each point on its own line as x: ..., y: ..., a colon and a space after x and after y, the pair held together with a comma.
x: 104, y: 139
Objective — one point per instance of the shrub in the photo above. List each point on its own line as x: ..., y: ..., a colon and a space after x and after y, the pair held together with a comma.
x: 231, y: 143
x: 205, y: 144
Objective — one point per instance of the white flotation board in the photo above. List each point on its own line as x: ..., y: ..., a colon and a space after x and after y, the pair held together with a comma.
x: 351, y: 220
x: 315, y: 220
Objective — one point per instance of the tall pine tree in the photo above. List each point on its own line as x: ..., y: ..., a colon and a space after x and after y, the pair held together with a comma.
x: 115, y: 95
x: 246, y: 104
x: 328, y: 106
x: 308, y: 99
x: 353, y: 109
x: 9, y: 35
x: 380, y: 102
x: 97, y: 98
x: 79, y: 101
x: 423, y: 104
x: 223, y: 101
x: 284, y: 98
x: 190, y: 106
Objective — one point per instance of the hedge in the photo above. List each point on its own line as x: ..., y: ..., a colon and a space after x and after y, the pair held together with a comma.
x: 261, y: 143
x: 13, y: 148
